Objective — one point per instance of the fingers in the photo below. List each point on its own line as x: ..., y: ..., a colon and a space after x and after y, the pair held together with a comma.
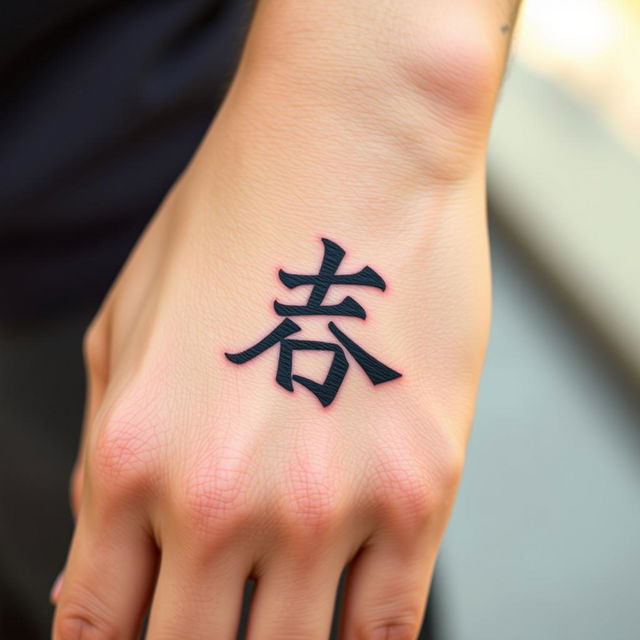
x: 198, y: 596
x: 386, y: 590
x: 295, y: 599
x: 95, y: 348
x: 108, y: 580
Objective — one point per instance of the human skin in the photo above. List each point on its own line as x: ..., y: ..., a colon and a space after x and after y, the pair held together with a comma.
x: 358, y: 121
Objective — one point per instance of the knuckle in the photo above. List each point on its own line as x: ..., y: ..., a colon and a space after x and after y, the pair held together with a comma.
x: 390, y: 630
x: 212, y: 499
x: 445, y: 464
x: 402, y: 490
x: 123, y: 453
x: 311, y: 504
x: 82, y: 617
x: 75, y: 627
x: 451, y: 468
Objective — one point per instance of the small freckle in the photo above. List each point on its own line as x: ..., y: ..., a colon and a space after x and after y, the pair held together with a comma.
x: 504, y: 28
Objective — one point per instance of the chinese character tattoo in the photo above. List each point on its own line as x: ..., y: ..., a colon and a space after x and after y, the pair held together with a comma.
x: 325, y: 391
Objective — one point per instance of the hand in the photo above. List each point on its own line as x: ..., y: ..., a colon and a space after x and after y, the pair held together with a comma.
x: 196, y: 472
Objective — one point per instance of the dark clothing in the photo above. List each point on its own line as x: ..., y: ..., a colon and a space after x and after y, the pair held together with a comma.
x: 104, y: 101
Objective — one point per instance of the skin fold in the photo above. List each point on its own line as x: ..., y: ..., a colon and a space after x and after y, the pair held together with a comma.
x: 365, y: 123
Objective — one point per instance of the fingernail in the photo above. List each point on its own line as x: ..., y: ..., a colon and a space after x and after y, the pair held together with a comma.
x: 55, y: 589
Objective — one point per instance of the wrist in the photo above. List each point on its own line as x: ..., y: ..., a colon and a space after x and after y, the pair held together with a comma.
x: 425, y: 71
x: 352, y: 124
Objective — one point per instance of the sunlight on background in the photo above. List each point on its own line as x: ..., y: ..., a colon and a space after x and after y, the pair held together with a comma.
x: 543, y: 542
x: 592, y: 49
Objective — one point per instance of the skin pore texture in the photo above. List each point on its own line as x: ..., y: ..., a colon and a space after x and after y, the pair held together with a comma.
x: 364, y: 123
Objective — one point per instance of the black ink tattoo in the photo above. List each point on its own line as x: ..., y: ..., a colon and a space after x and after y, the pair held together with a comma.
x: 376, y: 371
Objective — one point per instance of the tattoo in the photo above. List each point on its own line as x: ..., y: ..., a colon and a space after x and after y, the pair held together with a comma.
x: 325, y: 392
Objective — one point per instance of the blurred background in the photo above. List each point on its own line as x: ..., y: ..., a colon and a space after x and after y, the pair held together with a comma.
x: 545, y: 537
